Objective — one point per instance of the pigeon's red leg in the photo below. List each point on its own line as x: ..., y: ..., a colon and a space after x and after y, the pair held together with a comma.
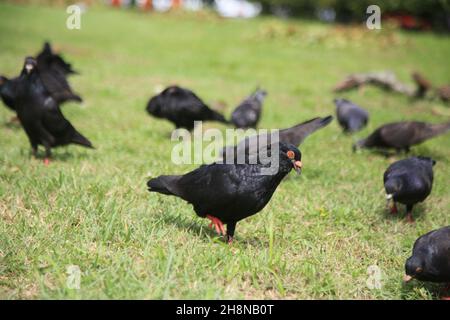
x: 409, y: 216
x: 217, y: 224
x: 447, y: 297
x: 46, y: 161
x: 394, y: 209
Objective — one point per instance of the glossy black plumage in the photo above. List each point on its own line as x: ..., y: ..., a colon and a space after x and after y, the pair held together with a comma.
x: 47, y: 59
x: 181, y: 107
x: 40, y: 115
x: 430, y: 260
x: 8, y: 91
x: 248, y: 113
x: 53, y: 71
x: 294, y: 135
x: 351, y: 117
x: 409, y: 181
x: 402, y: 135
x: 230, y: 192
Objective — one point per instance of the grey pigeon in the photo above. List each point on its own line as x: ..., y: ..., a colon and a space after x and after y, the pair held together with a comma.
x: 248, y: 113
x: 351, y: 117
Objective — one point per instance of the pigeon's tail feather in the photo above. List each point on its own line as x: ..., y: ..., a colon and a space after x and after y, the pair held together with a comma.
x: 162, y: 184
x: 216, y: 116
x: 79, y: 139
x: 297, y: 134
x: 437, y: 129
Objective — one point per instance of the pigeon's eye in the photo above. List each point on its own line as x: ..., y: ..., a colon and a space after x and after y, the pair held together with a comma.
x: 290, y: 154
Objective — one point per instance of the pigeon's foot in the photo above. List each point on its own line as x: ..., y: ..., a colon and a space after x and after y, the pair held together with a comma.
x: 230, y: 240
x: 217, y: 224
x: 409, y: 217
x: 46, y: 161
x: 394, y: 209
x: 14, y: 120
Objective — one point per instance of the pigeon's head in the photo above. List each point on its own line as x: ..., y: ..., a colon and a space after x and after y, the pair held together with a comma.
x: 414, y: 268
x: 29, y: 65
x: 154, y: 106
x: 392, y: 186
x: 260, y: 94
x: 339, y: 101
x: 290, y: 153
x: 359, y: 145
x: 429, y: 160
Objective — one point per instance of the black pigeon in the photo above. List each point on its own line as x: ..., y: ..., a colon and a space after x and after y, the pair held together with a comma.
x: 409, y: 181
x: 351, y: 117
x: 47, y: 59
x: 8, y: 91
x: 294, y: 135
x: 402, y: 135
x: 228, y: 193
x: 430, y: 260
x: 40, y: 115
x: 53, y: 71
x: 181, y: 107
x: 247, y: 114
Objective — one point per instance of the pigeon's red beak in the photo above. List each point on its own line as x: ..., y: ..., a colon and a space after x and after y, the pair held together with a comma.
x: 297, y: 166
x: 407, y: 278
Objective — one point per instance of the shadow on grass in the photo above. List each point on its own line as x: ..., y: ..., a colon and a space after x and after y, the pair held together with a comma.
x: 419, y: 212
x: 63, y: 155
x: 205, y: 232
x: 394, y: 155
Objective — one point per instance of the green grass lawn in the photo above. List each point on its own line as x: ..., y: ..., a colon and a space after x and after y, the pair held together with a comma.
x: 90, y: 208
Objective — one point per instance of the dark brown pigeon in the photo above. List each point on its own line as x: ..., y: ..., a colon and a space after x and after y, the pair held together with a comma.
x: 228, y: 193
x: 402, y: 135
x: 423, y: 85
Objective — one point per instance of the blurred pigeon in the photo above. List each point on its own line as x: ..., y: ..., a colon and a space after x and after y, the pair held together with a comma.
x: 228, y: 193
x: 40, y: 115
x: 409, y: 181
x: 402, y: 135
x: 247, y: 114
x: 430, y: 260
x: 351, y: 117
x: 444, y: 93
x: 50, y: 61
x: 423, y: 85
x: 181, y: 107
x: 294, y: 135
